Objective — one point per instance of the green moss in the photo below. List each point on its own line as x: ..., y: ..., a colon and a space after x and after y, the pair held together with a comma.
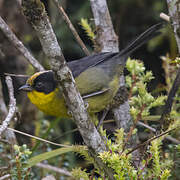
x: 33, y: 10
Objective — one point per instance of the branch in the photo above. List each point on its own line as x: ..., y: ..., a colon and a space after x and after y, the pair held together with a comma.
x: 72, y: 28
x: 37, y: 138
x: 174, y: 15
x: 3, y: 108
x: 48, y: 177
x: 7, y: 176
x: 165, y: 17
x: 168, y: 137
x: 55, y: 169
x: 19, y: 45
x: 36, y: 15
x: 165, y: 119
x: 106, y: 37
x: 173, y: 7
x: 151, y: 139
x: 12, y: 105
x: 10, y: 136
x: 16, y: 75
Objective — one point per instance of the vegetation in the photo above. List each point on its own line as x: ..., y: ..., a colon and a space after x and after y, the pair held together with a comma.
x: 147, y: 83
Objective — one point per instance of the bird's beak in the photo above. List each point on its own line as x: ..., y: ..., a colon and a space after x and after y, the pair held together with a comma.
x: 26, y: 87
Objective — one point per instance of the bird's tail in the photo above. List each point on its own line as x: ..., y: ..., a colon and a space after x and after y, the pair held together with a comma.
x: 141, y: 39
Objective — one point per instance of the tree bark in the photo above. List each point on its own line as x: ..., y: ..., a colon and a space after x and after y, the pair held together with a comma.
x: 106, y: 39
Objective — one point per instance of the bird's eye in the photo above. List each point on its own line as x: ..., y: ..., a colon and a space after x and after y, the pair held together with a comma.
x: 39, y: 85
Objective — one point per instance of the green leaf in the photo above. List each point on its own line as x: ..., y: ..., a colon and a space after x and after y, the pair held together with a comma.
x: 47, y: 155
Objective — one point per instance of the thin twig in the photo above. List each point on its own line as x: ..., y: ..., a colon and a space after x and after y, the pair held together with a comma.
x: 102, y: 118
x: 48, y: 177
x: 55, y: 169
x: 10, y: 136
x: 149, y: 140
x: 4, y: 141
x: 165, y: 17
x: 19, y: 45
x: 168, y: 137
x: 38, y: 138
x: 138, y: 118
x: 16, y: 75
x: 72, y: 28
x: 7, y: 176
x: 3, y: 108
x: 133, y: 85
x: 12, y: 105
x: 146, y: 126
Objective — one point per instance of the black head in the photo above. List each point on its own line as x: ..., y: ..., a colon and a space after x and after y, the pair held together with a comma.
x: 45, y: 82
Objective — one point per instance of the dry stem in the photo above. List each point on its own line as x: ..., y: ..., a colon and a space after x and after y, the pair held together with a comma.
x: 19, y: 45
x: 72, y: 28
x: 12, y: 105
x: 55, y: 169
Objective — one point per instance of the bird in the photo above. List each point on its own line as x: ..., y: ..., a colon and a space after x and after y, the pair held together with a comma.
x: 96, y: 77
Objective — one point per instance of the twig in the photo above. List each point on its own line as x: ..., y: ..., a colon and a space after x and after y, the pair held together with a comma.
x: 38, y: 138
x: 167, y: 109
x: 129, y: 135
x: 102, y: 118
x: 16, y: 75
x: 146, y: 126
x: 5, y: 177
x: 12, y: 105
x: 168, y: 137
x: 4, y: 141
x: 10, y: 136
x: 3, y: 108
x: 55, y: 169
x: 165, y: 17
x: 19, y: 45
x: 149, y: 140
x: 48, y: 177
x: 132, y: 86
x: 148, y: 159
x: 66, y: 133
x: 72, y: 28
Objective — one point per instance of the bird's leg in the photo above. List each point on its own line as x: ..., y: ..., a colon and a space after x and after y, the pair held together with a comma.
x: 102, y: 118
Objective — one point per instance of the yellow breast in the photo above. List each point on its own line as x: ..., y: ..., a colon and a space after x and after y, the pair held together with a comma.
x: 51, y: 104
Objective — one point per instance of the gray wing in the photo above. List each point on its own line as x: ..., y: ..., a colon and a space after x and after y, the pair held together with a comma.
x: 80, y: 65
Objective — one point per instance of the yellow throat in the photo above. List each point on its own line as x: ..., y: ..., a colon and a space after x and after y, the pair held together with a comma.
x: 51, y: 104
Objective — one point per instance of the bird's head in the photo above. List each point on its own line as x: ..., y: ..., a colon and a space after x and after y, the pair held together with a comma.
x: 42, y: 91
x: 43, y: 82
